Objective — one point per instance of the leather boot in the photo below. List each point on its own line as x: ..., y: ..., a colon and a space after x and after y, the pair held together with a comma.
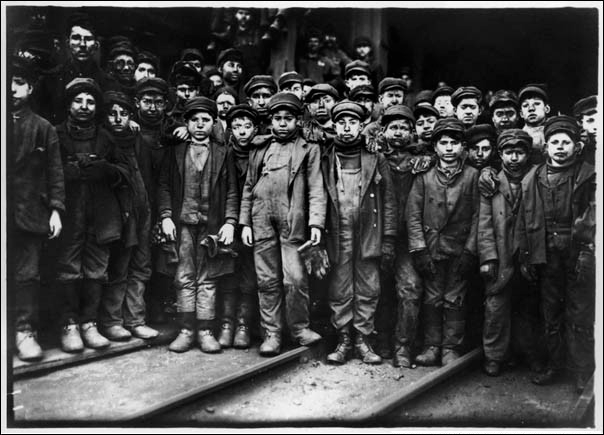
x: 27, y: 345
x: 402, y: 357
x: 432, y: 318
x: 343, y: 349
x: 306, y: 337
x: 116, y: 333
x: 242, y: 337
x: 448, y: 356
x: 429, y: 357
x: 454, y: 328
x: 228, y: 316
x: 364, y: 351
x: 271, y: 345
x: 183, y: 342
x: 91, y: 336
x: 492, y: 368
x: 226, y: 335
x: 207, y: 342
x: 71, y: 340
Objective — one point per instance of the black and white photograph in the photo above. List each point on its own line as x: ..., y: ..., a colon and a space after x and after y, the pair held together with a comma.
x: 301, y: 216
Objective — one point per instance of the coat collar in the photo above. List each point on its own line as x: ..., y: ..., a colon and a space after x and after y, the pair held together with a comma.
x: 215, y: 159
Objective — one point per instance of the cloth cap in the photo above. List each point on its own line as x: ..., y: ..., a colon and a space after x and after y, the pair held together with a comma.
x: 240, y: 110
x: 563, y: 123
x: 391, y: 83
x: 348, y: 108
x: 285, y: 100
x: 585, y: 106
x: 357, y: 67
x: 363, y: 91
x: 260, y: 81
x: 536, y: 89
x: 465, y: 92
x: 200, y: 104
x: 322, y: 89
x: 289, y: 78
x: 192, y: 54
x: 147, y: 57
x: 514, y: 136
x: 152, y: 85
x: 184, y: 72
x: 398, y: 111
x: 83, y: 84
x: 122, y: 48
x: 503, y: 97
x: 425, y: 109
x: 448, y: 125
x: 24, y: 67
x: 115, y: 97
x: 231, y: 54
x: 478, y: 132
x: 442, y: 90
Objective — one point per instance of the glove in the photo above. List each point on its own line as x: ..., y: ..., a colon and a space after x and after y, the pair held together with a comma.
x: 423, y: 264
x: 388, y: 254
x: 529, y: 272
x: 489, y: 270
x: 315, y: 259
x: 488, y: 182
x: 216, y: 248
x: 465, y: 263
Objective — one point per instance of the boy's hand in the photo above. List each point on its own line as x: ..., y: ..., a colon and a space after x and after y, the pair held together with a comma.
x: 489, y: 271
x: 55, y: 225
x: 169, y: 229
x: 315, y: 236
x: 226, y: 234
x: 247, y: 236
x: 181, y: 132
x: 134, y: 126
x: 488, y: 183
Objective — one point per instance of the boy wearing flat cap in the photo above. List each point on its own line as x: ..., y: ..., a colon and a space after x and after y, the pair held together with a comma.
x: 586, y: 113
x: 283, y: 206
x: 147, y: 65
x: 442, y: 220
x: 259, y: 90
x: 198, y: 197
x: 320, y: 100
x: 35, y: 203
x: 534, y: 108
x: 361, y: 228
x: 504, y: 110
x: 230, y: 66
x: 467, y: 102
x: 366, y: 96
x: 291, y: 81
x: 357, y: 73
x: 556, y: 241
x: 425, y: 120
x: 510, y: 303
x: 391, y: 92
x: 239, y: 289
x: 441, y: 100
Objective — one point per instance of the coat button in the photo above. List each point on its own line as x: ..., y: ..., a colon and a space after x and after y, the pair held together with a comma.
x: 375, y: 210
x: 371, y: 195
x: 374, y: 225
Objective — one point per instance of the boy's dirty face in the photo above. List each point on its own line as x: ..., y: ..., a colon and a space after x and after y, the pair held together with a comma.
x: 243, y: 130
x: 224, y: 102
x: 185, y: 91
x: 514, y: 158
x: 392, y: 97
x: 283, y: 123
x: 295, y: 89
x: 216, y: 80
x: 589, y: 123
x: 560, y: 148
x: 398, y: 132
x: 82, y: 43
x: 367, y: 103
x: 199, y: 126
x: 118, y: 118
x: 151, y: 106
x: 21, y: 90
x: 320, y: 107
x: 363, y: 51
x: 144, y: 70
x: 348, y: 128
x: 259, y: 99
x: 83, y: 107
x: 467, y: 111
x: 448, y: 148
x: 480, y: 153
x: 124, y: 66
x: 533, y: 111
x: 231, y: 71
x: 505, y: 117
x: 313, y: 44
x: 424, y: 126
x: 443, y: 104
x: 357, y: 80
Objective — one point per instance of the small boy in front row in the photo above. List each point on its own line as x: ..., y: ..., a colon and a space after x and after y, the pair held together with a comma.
x: 197, y: 197
x: 442, y: 220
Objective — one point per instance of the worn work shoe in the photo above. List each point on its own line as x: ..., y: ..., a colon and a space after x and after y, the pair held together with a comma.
x: 448, y: 356
x: 183, y: 342
x: 116, y: 333
x: 429, y: 357
x: 28, y: 348
x: 242, y: 337
x: 307, y: 337
x: 91, y: 337
x: 402, y: 357
x: 342, y: 351
x: 207, y: 342
x: 71, y: 340
x: 549, y: 376
x: 364, y: 351
x: 145, y: 332
x: 226, y: 335
x: 383, y: 346
x: 492, y: 368
x: 271, y: 345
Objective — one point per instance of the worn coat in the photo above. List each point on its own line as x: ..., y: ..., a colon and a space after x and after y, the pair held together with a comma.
x: 441, y: 217
x: 307, y: 197
x: 377, y: 217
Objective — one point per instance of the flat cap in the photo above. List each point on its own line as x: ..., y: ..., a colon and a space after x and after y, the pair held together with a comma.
x: 532, y: 90
x: 442, y: 90
x: 561, y: 123
x: 289, y: 78
x: 348, y: 108
x: 82, y: 20
x: 147, y: 57
x: 184, y: 72
x: 200, y: 104
x: 322, y: 89
x: 503, y: 97
x: 115, y: 97
x: 398, y: 111
x: 122, y: 48
x: 152, y: 85
x: 287, y: 101
x: 514, y: 136
x: 389, y: 83
x: 425, y: 109
x: 357, y: 67
x: 24, y: 67
x: 478, y: 132
x: 585, y: 106
x: 231, y: 54
x: 367, y: 91
x: 448, y: 125
x: 192, y: 54
x: 260, y: 81
x: 362, y: 41
x: 424, y: 97
x: 83, y: 84
x: 241, y: 110
x: 308, y: 82
x: 465, y: 92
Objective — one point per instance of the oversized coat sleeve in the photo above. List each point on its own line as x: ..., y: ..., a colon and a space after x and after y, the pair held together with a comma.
x: 473, y: 236
x: 231, y: 212
x: 245, y: 209
x: 317, y: 195
x: 164, y: 191
x: 54, y: 175
x: 487, y: 244
x: 390, y: 206
x: 415, y: 215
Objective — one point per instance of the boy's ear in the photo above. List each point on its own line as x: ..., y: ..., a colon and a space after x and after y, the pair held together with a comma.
x: 547, y: 109
x: 137, y: 102
x: 579, y: 145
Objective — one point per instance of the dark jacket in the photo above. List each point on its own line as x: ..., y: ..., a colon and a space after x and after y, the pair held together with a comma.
x: 530, y: 232
x: 443, y: 217
x: 38, y: 186
x: 377, y: 206
x: 224, y: 196
x: 307, y: 197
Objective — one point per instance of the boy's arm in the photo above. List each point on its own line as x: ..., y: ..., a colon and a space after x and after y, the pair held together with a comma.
x: 414, y: 212
x: 317, y: 196
x: 245, y: 208
x: 390, y: 211
x: 487, y: 245
x: 54, y: 175
x: 470, y: 246
x: 231, y: 212
x: 164, y: 194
